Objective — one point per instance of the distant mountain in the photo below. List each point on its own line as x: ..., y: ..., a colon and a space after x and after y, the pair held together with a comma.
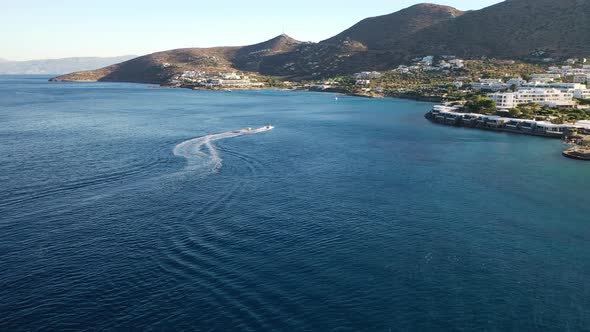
x: 57, y: 66
x: 513, y: 29
x: 158, y: 67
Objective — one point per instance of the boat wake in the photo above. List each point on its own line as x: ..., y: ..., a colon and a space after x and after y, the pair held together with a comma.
x: 201, y: 153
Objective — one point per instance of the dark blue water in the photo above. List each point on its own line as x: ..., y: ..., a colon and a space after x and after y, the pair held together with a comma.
x: 351, y: 215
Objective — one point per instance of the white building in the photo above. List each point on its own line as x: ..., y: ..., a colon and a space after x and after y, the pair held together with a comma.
x: 489, y: 85
x: 563, y: 87
x: 569, y: 70
x: 431, y: 68
x: 582, y: 78
x: 367, y: 75
x: 457, y: 63
x: 548, y: 97
x: 581, y: 93
x: 233, y: 83
x: 517, y: 81
x: 402, y: 69
x: 428, y: 60
x: 231, y: 76
x: 546, y: 78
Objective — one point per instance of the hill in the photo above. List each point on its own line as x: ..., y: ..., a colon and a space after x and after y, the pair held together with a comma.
x: 158, y: 67
x: 386, y: 32
x: 57, y: 66
x: 372, y: 44
x: 513, y: 29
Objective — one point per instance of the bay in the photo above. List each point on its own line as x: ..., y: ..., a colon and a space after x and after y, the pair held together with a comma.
x: 351, y: 215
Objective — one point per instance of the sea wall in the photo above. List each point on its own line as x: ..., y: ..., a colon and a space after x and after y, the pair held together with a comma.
x: 493, y: 126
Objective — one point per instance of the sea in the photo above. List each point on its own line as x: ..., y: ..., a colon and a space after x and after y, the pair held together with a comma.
x: 127, y: 207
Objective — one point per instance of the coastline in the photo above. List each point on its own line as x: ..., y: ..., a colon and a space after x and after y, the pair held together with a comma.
x: 572, y: 153
x: 516, y: 126
x: 370, y: 95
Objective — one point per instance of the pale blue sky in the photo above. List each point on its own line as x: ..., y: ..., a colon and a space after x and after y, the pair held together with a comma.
x: 37, y: 29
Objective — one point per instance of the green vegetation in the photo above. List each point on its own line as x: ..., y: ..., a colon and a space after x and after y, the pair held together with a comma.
x: 272, y: 82
x: 481, y: 104
x: 558, y: 115
x: 345, y: 82
x: 529, y: 111
x: 438, y: 85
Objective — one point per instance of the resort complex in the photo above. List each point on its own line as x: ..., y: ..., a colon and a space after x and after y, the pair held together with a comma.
x: 456, y: 116
x: 214, y: 80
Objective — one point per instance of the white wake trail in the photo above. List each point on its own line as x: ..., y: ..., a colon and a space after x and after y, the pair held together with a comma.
x: 201, y: 153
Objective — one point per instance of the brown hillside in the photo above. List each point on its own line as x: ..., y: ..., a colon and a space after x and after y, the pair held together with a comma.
x: 511, y: 29
x: 514, y: 28
x: 158, y: 67
x: 385, y: 32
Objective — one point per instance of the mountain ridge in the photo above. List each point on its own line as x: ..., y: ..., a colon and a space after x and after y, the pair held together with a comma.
x: 57, y: 66
x: 510, y: 29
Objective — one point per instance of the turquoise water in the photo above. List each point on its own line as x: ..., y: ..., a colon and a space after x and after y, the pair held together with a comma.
x: 351, y: 215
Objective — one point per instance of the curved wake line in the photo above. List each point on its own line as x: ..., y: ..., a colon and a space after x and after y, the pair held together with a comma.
x: 202, y: 155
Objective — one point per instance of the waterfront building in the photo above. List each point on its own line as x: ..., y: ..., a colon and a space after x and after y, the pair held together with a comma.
x: 449, y: 115
x: 493, y: 121
x: 548, y: 97
x: 550, y: 129
x: 233, y: 83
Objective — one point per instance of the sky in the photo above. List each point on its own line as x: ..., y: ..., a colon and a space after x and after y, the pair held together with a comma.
x: 48, y: 29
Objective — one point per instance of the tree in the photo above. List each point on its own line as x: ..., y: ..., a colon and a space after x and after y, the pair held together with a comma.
x: 526, y: 77
x: 481, y: 104
x: 514, y: 112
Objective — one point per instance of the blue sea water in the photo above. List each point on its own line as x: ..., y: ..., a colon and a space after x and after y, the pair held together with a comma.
x: 351, y: 215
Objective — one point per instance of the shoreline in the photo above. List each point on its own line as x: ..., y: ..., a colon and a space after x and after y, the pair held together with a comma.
x: 491, y: 126
x: 577, y: 152
x: 369, y: 95
x: 496, y: 124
